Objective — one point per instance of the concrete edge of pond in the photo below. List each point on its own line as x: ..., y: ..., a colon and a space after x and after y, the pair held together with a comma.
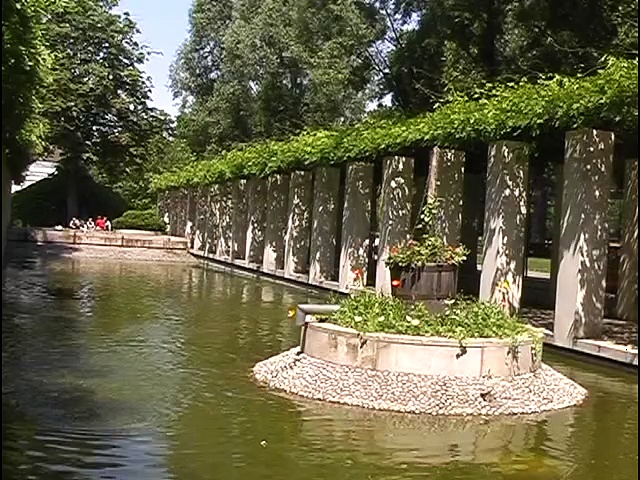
x: 116, y: 238
x: 474, y: 357
x: 297, y: 373
x: 597, y: 351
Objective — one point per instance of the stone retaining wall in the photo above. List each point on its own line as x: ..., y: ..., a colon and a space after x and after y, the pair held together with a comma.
x: 130, y: 239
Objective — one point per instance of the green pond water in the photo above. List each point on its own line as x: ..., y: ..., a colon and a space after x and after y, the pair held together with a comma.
x: 114, y: 370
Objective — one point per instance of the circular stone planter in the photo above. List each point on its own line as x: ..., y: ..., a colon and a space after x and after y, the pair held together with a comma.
x: 476, y: 357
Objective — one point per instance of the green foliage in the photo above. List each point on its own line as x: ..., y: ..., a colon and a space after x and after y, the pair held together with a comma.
x: 448, y: 47
x: 250, y: 70
x: 607, y: 99
x: 97, y: 100
x: 461, y: 319
x: 427, y: 250
x: 140, y: 220
x: 25, y: 64
x: 429, y: 247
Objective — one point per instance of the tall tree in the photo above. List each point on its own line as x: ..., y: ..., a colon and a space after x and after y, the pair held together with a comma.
x: 24, y: 71
x: 460, y: 45
x: 97, y: 102
x: 260, y: 69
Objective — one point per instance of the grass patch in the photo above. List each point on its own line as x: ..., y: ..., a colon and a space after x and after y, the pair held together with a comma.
x: 463, y: 318
x: 535, y: 264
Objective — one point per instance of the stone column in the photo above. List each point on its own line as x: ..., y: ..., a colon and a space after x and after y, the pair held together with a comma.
x: 296, y: 256
x: 213, y: 219
x: 225, y: 227
x: 276, y: 223
x: 356, y: 223
x: 505, y: 217
x: 163, y: 209
x: 627, y: 301
x: 239, y: 219
x: 324, y: 231
x: 201, y: 214
x: 192, y: 194
x: 445, y: 181
x: 182, y: 202
x: 395, y: 213
x: 256, y: 213
x: 579, y: 305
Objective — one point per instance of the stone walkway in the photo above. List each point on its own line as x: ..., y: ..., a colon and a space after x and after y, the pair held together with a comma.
x: 619, y: 332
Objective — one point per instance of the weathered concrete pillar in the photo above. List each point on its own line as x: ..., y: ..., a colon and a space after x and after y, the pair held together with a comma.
x: 213, y: 219
x: 296, y: 256
x: 445, y: 181
x: 163, y: 206
x: 256, y: 218
x: 395, y: 213
x: 239, y: 219
x: 324, y: 230
x: 170, y: 211
x: 182, y: 202
x: 557, y: 228
x: 627, y: 301
x: 201, y: 214
x: 225, y: 224
x: 505, y: 217
x: 579, y: 305
x: 276, y: 223
x: 356, y: 223
x: 192, y: 195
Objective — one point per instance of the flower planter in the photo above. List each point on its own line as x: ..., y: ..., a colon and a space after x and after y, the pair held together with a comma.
x: 430, y: 282
x: 497, y: 357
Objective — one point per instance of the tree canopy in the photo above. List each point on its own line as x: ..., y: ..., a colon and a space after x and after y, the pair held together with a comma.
x: 24, y: 72
x: 267, y: 69
x: 525, y: 111
x: 259, y: 69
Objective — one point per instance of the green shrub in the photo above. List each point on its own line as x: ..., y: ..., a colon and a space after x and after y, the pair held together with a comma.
x: 140, y: 220
x: 462, y: 318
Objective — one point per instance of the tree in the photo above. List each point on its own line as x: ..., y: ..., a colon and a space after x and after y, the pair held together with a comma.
x: 24, y: 72
x: 97, y: 101
x: 262, y: 69
x: 458, y: 46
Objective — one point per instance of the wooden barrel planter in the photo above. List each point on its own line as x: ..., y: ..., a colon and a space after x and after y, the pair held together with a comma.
x: 430, y: 282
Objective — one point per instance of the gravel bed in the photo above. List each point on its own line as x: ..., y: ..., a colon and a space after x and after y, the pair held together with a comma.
x: 300, y: 374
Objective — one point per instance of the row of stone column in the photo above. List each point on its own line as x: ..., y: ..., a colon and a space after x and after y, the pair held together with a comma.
x: 314, y: 227
x: 581, y: 240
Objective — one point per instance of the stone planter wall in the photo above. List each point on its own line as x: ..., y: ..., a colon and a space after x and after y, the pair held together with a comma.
x: 419, y: 355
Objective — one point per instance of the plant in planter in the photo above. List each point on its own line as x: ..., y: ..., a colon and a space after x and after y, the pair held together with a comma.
x: 462, y: 318
x: 425, y: 268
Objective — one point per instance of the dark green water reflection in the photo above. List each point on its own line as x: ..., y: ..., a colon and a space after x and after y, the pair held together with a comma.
x: 141, y: 371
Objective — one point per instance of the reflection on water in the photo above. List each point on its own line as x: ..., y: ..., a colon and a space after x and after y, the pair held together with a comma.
x: 141, y: 371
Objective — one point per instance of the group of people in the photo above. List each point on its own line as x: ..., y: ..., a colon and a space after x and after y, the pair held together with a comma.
x: 101, y: 223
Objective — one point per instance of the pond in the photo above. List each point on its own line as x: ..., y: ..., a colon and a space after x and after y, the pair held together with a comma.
x: 128, y: 370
